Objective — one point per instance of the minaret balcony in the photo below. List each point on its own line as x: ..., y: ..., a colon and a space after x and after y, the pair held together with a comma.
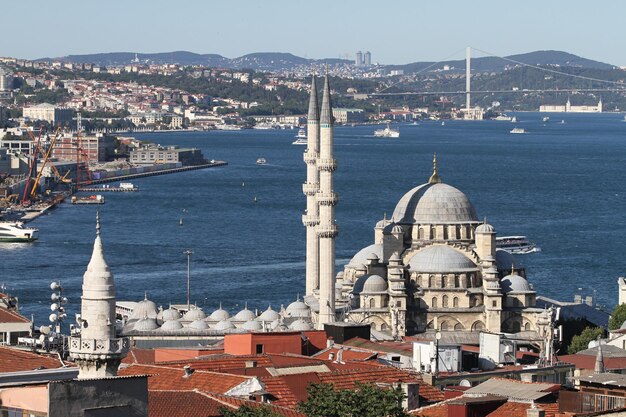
x: 310, y: 157
x: 310, y: 188
x: 82, y: 348
x: 328, y: 231
x: 327, y: 164
x: 327, y: 199
x: 310, y: 220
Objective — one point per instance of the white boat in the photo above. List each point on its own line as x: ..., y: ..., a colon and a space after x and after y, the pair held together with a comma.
x: 503, y: 117
x: 91, y: 199
x: 546, y: 119
x: 300, y: 137
x: 518, y: 245
x: 128, y: 186
x: 387, y: 132
x: 16, y: 232
x: 261, y: 161
x: 513, y: 119
x: 518, y: 130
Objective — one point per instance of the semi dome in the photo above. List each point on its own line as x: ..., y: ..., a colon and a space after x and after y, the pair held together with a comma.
x: 252, y: 325
x: 170, y: 314
x: 375, y: 284
x: 244, y: 315
x: 144, y: 308
x: 515, y: 283
x: 198, y: 325
x: 300, y: 325
x: 219, y: 314
x: 361, y: 256
x: 434, y: 204
x: 171, y: 325
x: 441, y: 259
x: 194, y: 314
x: 224, y: 325
x: 145, y: 325
x: 268, y: 315
x: 298, y: 309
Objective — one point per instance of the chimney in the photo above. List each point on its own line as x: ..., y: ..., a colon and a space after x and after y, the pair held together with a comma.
x: 533, y: 411
x: 250, y: 364
x: 331, y: 356
x: 188, y: 371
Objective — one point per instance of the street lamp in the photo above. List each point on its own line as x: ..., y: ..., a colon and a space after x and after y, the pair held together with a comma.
x: 188, y: 252
x: 437, y: 338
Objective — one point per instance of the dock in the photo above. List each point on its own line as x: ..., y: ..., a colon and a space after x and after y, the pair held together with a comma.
x: 154, y: 173
x: 108, y: 189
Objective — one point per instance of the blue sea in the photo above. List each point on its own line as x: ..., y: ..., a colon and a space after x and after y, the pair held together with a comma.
x: 561, y: 184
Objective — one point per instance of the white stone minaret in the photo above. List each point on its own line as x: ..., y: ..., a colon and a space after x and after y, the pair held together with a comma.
x: 327, y: 199
x: 97, y: 351
x: 310, y: 188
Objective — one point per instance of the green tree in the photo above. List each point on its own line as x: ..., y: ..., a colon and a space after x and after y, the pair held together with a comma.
x: 248, y: 411
x: 618, y: 316
x: 364, y: 401
x: 581, y: 341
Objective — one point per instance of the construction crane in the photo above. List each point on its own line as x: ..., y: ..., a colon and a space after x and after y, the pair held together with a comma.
x: 45, y: 161
x: 33, y: 161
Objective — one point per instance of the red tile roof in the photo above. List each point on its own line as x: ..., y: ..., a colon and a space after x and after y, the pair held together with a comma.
x: 166, y: 378
x: 15, y: 360
x: 436, y: 410
x: 589, y: 362
x: 10, y: 316
x: 513, y: 409
x: 139, y: 356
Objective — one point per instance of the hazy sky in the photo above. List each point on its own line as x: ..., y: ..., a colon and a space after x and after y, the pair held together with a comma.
x: 398, y: 31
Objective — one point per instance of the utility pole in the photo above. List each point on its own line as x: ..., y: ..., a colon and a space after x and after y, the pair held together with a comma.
x: 188, y: 252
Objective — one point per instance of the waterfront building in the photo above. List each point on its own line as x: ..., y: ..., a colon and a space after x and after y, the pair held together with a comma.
x: 568, y: 108
x: 156, y: 154
x: 49, y: 113
x: 94, y: 148
x: 346, y: 115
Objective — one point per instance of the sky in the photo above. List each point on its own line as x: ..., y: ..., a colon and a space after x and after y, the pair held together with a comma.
x: 396, y: 32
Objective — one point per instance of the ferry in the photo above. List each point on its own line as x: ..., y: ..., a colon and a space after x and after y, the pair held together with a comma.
x: 16, y: 232
x: 261, y: 161
x: 518, y: 130
x: 503, y: 118
x: 92, y: 199
x: 518, y: 245
x: 300, y: 137
x: 387, y: 132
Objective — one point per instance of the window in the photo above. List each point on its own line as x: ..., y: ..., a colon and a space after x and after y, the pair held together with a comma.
x: 372, y: 303
x: 444, y: 301
x: 494, y: 303
x: 444, y: 325
x: 434, y: 302
x: 455, y: 302
x: 259, y: 349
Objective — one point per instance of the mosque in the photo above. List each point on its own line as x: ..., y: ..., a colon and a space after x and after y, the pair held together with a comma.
x: 432, y: 266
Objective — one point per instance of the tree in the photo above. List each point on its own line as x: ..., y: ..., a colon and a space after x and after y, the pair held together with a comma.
x: 249, y: 411
x: 618, y: 316
x: 581, y: 341
x: 364, y: 401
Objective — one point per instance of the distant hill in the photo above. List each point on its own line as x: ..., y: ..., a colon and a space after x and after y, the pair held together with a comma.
x: 493, y: 64
x: 274, y: 61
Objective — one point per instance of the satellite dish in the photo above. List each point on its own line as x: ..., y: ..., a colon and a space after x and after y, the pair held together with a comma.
x: 53, y: 318
x: 465, y: 383
x: 44, y: 330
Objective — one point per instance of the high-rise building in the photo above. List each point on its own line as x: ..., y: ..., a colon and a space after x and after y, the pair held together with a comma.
x: 6, y: 79
x: 358, y: 61
x: 367, y: 59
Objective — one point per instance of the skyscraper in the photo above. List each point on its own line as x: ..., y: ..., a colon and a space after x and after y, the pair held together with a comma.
x: 358, y: 61
x: 367, y: 60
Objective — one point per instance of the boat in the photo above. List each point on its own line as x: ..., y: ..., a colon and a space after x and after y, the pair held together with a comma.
x: 16, y: 232
x: 128, y: 186
x: 513, y: 119
x: 518, y: 245
x: 261, y: 161
x: 92, y: 199
x: 546, y: 119
x: 300, y: 137
x: 443, y: 123
x: 503, y: 117
x: 387, y: 132
x: 562, y: 122
x: 518, y: 130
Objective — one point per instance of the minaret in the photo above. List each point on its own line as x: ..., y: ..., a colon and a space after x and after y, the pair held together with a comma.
x: 310, y: 188
x: 97, y: 351
x: 327, y: 199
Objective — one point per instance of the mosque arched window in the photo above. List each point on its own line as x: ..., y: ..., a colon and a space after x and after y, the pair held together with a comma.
x: 456, y: 281
x: 444, y: 325
x: 478, y: 325
x: 372, y: 303
x: 444, y: 301
x: 458, y: 231
x: 433, y: 304
x: 458, y: 326
x: 420, y: 233
x: 431, y: 281
x: 445, y: 233
x: 432, y: 232
x: 384, y: 327
x: 527, y: 326
x: 455, y: 302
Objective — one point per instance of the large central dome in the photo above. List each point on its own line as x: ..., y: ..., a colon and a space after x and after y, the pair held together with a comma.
x: 434, y: 203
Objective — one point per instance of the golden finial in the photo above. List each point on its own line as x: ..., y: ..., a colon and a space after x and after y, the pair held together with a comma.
x: 434, y: 179
x: 512, y: 269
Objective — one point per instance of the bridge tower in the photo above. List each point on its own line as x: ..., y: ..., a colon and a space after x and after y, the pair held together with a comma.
x: 468, y: 72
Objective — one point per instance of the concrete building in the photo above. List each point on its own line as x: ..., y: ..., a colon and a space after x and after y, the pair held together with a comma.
x: 12, y: 323
x: 367, y: 58
x: 49, y: 113
x: 568, y: 108
x: 156, y: 154
x: 6, y: 80
x: 96, y: 148
x: 358, y: 59
x: 345, y: 115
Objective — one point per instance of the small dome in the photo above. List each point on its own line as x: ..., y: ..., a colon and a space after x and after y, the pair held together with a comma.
x: 224, y: 325
x: 171, y: 325
x: 198, y: 325
x: 381, y: 224
x: 220, y: 314
x: 375, y: 284
x: 441, y: 259
x: 397, y: 229
x: 146, y: 324
x: 268, y: 315
x: 298, y: 309
x: 170, y: 314
x: 485, y: 228
x: 300, y: 325
x: 194, y: 314
x: 244, y: 315
x: 515, y: 283
x: 144, y: 308
x: 252, y: 325
x: 373, y: 257
x: 395, y: 257
x: 361, y: 256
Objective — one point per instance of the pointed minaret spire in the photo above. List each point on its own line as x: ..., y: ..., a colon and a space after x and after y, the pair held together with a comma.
x: 599, y: 366
x: 434, y: 179
x: 310, y: 188
x: 326, y: 116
